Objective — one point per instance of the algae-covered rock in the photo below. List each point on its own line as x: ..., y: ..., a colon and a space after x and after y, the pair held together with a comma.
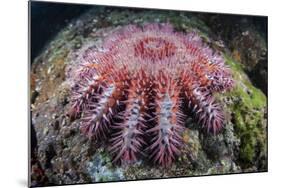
x: 249, y: 115
x: 67, y: 156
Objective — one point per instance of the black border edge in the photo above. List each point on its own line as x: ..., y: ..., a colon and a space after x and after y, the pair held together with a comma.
x: 29, y: 90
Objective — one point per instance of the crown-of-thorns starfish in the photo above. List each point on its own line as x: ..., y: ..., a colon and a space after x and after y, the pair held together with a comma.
x: 136, y: 88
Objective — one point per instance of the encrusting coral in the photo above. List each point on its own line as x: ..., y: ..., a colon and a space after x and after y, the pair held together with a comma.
x: 137, y: 89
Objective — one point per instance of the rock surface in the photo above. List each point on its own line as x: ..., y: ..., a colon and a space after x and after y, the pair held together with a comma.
x: 65, y: 156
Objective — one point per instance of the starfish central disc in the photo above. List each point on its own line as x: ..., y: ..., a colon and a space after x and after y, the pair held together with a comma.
x: 152, y: 48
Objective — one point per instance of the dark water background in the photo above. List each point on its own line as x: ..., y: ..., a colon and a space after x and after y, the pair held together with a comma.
x: 47, y: 19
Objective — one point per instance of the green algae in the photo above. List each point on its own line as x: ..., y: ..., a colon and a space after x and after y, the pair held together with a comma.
x: 248, y: 111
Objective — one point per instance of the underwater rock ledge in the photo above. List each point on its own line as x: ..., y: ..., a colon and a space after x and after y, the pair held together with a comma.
x: 66, y: 156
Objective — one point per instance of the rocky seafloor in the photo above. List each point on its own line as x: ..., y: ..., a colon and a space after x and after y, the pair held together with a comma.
x: 62, y: 155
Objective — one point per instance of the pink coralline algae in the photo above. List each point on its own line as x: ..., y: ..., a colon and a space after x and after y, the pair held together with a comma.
x: 136, y: 90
